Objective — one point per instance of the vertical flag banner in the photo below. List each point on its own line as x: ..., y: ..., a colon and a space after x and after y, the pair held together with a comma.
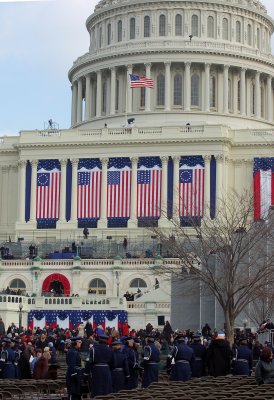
x: 118, y: 187
x: 48, y: 189
x: 149, y: 190
x: 263, y: 183
x: 191, y: 186
x: 89, y: 189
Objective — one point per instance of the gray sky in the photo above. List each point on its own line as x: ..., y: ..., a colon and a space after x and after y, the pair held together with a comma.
x: 39, y: 40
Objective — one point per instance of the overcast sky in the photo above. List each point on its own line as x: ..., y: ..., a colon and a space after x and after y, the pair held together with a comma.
x: 39, y: 40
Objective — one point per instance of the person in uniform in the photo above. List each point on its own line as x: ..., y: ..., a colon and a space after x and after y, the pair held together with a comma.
x: 74, y: 370
x: 120, y: 373
x: 8, y: 358
x: 100, y: 364
x: 150, y: 362
x: 219, y: 356
x: 133, y: 365
x: 180, y: 361
x: 243, y: 359
x: 198, y: 367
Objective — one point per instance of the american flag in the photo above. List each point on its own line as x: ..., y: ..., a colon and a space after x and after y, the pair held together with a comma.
x: 263, y: 182
x: 118, y: 187
x: 191, y: 188
x: 48, y: 189
x: 149, y: 182
x: 137, y: 81
x: 89, y: 188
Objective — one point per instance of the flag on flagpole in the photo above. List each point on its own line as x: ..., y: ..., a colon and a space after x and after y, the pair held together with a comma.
x: 137, y: 81
x: 263, y: 182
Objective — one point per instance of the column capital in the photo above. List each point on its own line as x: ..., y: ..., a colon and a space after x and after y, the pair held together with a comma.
x: 134, y: 159
x: 22, y: 163
x: 167, y: 63
x: 104, y: 160
x: 207, y: 65
x: 148, y: 65
x: 74, y: 161
x: 188, y: 64
x: 34, y: 163
x: 207, y: 157
x: 226, y: 66
x: 63, y: 162
x: 220, y: 157
x: 176, y: 158
x: 164, y: 159
x: 129, y: 66
x: 112, y: 68
x: 269, y: 77
x: 243, y: 70
x: 88, y: 75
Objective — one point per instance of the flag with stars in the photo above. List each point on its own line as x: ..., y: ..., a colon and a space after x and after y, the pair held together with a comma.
x: 48, y: 189
x: 191, y: 186
x: 89, y: 188
x: 118, y: 187
x: 149, y: 187
x: 263, y: 183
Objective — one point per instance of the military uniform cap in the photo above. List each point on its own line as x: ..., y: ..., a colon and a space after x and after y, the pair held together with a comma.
x: 104, y: 337
x: 116, y: 343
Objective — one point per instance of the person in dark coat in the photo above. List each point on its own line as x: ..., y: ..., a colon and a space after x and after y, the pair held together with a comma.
x: 88, y: 329
x: 133, y: 364
x: 74, y: 370
x: 2, y: 327
x: 198, y: 367
x: 150, y: 362
x: 24, y: 370
x: 100, y: 364
x: 206, y: 331
x: 219, y: 356
x: 120, y: 372
x: 242, y: 359
x: 180, y: 361
x: 264, y: 371
x: 167, y: 332
x: 8, y: 358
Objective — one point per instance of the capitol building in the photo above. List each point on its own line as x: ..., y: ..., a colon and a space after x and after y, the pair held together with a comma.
x: 172, y: 99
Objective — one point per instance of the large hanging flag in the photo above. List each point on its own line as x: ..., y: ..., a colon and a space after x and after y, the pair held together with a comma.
x: 191, y: 187
x: 48, y: 189
x: 118, y: 187
x: 263, y: 182
x: 137, y: 81
x: 149, y: 185
x: 89, y: 188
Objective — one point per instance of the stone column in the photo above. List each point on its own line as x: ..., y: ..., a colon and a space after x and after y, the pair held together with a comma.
x: 207, y: 87
x: 79, y: 101
x: 167, y: 86
x: 129, y: 90
x: 176, y: 194
x: 147, y: 90
x: 132, y: 223
x: 257, y: 95
x: 99, y: 94
x: 22, y: 190
x: 219, y: 181
x: 102, y: 223
x: 225, y: 98
x: 73, y: 214
x: 269, y: 99
x: 63, y: 190
x: 112, y: 90
x: 88, y: 98
x: 243, y: 92
x: 163, y: 221
x: 74, y: 95
x: 4, y: 195
x: 34, y: 164
x: 187, y: 86
x: 207, y: 159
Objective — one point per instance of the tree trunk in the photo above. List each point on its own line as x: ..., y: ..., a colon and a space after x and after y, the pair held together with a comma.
x: 229, y: 323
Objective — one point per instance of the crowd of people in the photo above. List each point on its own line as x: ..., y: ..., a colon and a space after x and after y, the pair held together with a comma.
x: 109, y: 360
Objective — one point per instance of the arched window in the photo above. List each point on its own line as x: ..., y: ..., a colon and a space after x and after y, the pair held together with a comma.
x: 225, y: 29
x: 210, y: 27
x: 229, y: 94
x: 104, y: 97
x: 162, y: 25
x: 97, y: 286
x: 138, y: 283
x: 177, y: 90
x: 132, y: 28
x: 178, y: 25
x: 194, y: 25
x: 160, y: 90
x: 117, y: 95
x: 249, y: 35
x: 100, y: 37
x: 147, y: 26
x: 17, y: 284
x: 142, y: 97
x: 252, y: 98
x: 195, y: 89
x: 109, y: 33
x: 212, y: 90
x: 239, y: 95
x: 258, y: 38
x: 119, y: 31
x: 238, y: 32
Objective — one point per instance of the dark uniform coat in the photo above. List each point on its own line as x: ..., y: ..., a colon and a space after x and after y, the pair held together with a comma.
x: 243, y: 360
x: 8, y: 367
x: 133, y: 366
x: 150, y: 364
x: 219, y: 357
x: 183, y: 359
x: 120, y: 373
x: 198, y: 367
x: 74, y: 374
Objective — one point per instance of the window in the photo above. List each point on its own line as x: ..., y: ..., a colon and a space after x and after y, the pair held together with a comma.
x: 119, y: 26
x: 212, y: 90
x: 194, y: 25
x: 252, y: 99
x: 109, y: 33
x: 147, y: 26
x: 258, y: 38
x: 162, y: 25
x: 238, y: 32
x: 249, y: 35
x: 132, y: 28
x: 178, y: 25
x: 195, y: 81
x: 104, y: 97
x: 138, y: 283
x: 177, y: 90
x: 160, y: 90
x: 17, y: 284
x: 100, y: 37
x: 239, y: 95
x: 210, y: 27
x: 142, y: 97
x: 97, y: 286
x: 225, y: 29
x: 117, y: 95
